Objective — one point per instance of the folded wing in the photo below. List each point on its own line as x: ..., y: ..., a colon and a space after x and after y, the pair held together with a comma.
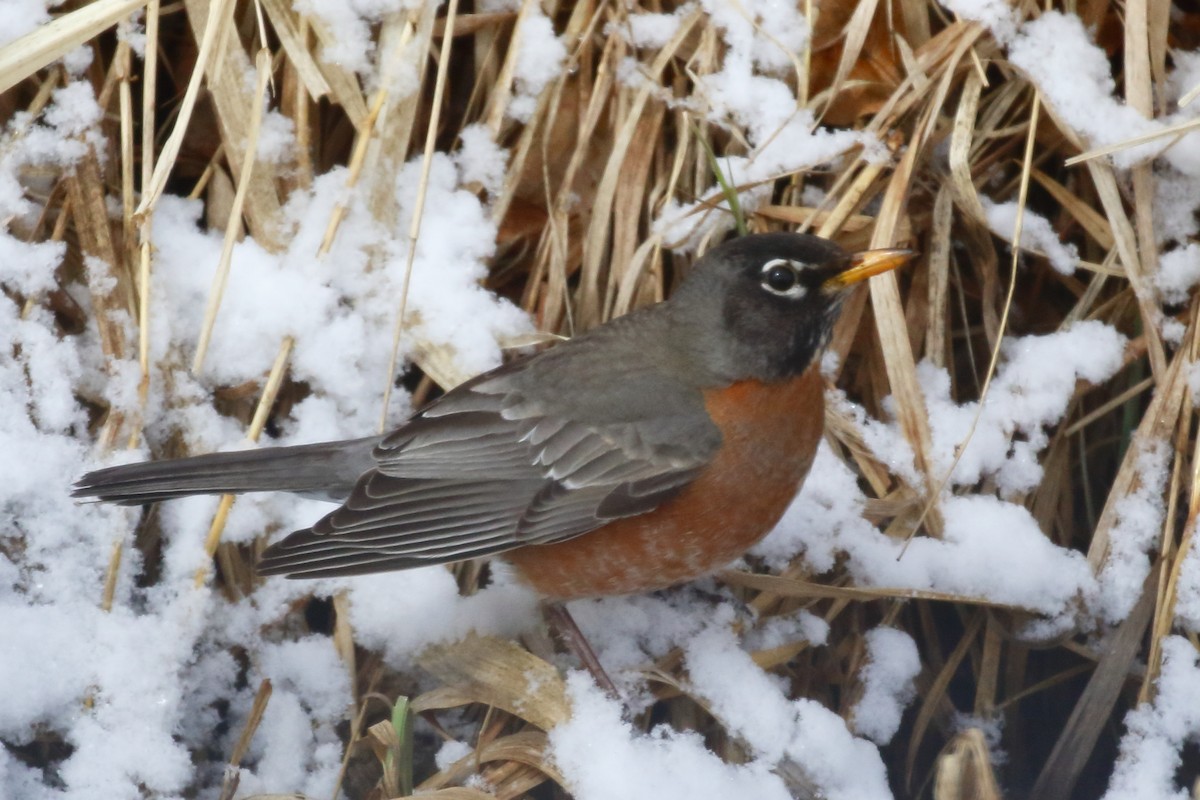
x: 487, y: 468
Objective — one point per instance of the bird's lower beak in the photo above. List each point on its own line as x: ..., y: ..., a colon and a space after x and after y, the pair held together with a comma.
x: 867, y: 263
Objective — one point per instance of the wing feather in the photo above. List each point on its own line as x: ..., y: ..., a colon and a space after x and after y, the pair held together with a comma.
x: 487, y: 468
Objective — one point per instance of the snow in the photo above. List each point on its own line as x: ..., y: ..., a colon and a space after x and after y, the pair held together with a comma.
x: 21, y: 17
x: 132, y: 663
x: 800, y: 626
x: 540, y: 57
x: 452, y: 750
x: 995, y: 15
x: 1076, y: 81
x: 1175, y: 199
x: 481, y: 160
x: 1172, y: 330
x: 133, y: 32
x: 991, y: 549
x: 330, y: 312
x: 138, y: 690
x: 1178, y: 272
x: 74, y: 111
x: 751, y: 92
x: 1187, y: 591
x: 132, y: 690
x: 770, y: 33
x: 1029, y: 393
x: 892, y: 665
x: 347, y: 23
x: 397, y: 614
x: 751, y: 704
x: 308, y: 682
x: 628, y: 631
x: 648, y: 30
x: 603, y: 757
x: 276, y: 138
x: 1036, y: 233
x: 782, y: 734
x: 1156, y: 732
x: 1133, y: 540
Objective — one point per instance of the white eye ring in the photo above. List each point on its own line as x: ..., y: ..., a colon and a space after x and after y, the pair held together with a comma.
x: 775, y: 274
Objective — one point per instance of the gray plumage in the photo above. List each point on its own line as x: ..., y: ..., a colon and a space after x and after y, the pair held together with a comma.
x: 605, y: 426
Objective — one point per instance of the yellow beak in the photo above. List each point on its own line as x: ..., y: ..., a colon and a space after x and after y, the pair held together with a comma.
x: 867, y: 263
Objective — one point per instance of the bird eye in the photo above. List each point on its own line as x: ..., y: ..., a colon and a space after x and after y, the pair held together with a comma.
x: 782, y: 277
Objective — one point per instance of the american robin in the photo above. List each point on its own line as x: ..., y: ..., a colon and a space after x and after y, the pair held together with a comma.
x: 644, y: 453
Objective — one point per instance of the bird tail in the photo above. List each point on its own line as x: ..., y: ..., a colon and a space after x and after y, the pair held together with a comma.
x: 327, y: 470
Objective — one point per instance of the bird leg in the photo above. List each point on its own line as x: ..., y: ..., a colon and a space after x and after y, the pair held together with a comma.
x: 563, y: 625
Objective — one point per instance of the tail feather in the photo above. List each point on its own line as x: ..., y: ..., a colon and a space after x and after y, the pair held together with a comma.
x: 327, y: 470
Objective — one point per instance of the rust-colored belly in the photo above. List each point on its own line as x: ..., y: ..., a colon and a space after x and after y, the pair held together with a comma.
x: 771, y: 432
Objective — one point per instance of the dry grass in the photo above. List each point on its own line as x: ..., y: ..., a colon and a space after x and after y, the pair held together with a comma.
x: 588, y: 174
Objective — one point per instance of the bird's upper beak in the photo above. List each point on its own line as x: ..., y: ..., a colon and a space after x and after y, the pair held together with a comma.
x: 867, y: 263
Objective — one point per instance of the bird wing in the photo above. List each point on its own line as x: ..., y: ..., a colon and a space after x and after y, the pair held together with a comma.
x: 494, y: 465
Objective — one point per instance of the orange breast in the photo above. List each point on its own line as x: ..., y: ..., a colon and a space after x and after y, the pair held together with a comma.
x: 771, y: 432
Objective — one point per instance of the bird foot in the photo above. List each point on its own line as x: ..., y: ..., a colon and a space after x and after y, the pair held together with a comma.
x: 562, y: 625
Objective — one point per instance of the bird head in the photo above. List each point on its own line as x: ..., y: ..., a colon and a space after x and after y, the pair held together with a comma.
x: 763, y: 306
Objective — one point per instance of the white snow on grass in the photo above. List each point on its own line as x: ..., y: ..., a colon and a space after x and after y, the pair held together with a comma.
x: 540, y: 57
x: 777, y: 631
x: 1076, y: 81
x: 399, y: 613
x: 893, y: 663
x: 1036, y: 233
x: 626, y: 632
x: 785, y: 736
x: 349, y: 42
x: 1031, y: 389
x: 603, y: 757
x: 480, y: 160
x: 339, y: 313
x: 991, y: 549
x: 771, y: 34
x: 56, y: 139
x: 649, y: 30
x: 995, y: 15
x: 1178, y: 272
x: 452, y: 750
x: 764, y: 40
x: 751, y: 704
x: 1157, y: 732
x: 1187, y: 590
x: 1176, y: 196
x: 1134, y: 539
x: 1075, y: 78
x: 22, y: 17
x: 310, y: 692
x: 139, y: 691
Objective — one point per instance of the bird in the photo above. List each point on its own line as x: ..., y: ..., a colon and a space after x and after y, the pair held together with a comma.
x: 649, y: 451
